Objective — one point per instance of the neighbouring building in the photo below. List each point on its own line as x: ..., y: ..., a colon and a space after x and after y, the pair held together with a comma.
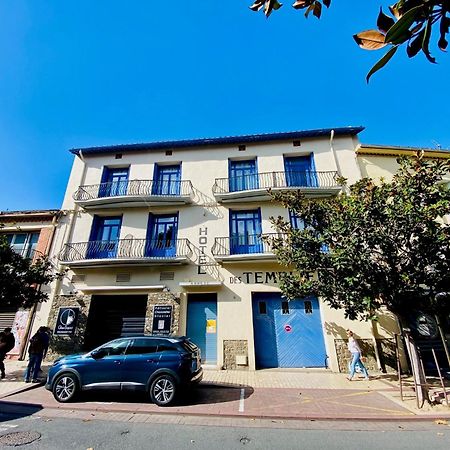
x: 30, y: 234
x: 380, y: 162
x: 165, y: 238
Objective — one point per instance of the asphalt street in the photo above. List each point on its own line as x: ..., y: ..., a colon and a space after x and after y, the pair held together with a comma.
x: 57, y: 433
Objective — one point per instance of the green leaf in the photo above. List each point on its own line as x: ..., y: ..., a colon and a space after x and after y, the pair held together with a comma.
x: 327, y: 3
x: 426, y: 41
x: 415, y: 45
x: 310, y: 8
x: 399, y: 33
x: 317, y: 11
x: 384, y: 22
x: 300, y: 4
x: 382, y: 62
x: 370, y: 40
x: 257, y: 5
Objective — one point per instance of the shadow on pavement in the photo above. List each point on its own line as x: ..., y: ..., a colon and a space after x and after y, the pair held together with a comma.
x: 200, y: 395
x: 11, y: 410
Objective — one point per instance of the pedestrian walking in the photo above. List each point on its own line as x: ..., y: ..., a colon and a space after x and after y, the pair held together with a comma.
x: 37, y: 352
x: 355, y: 350
x: 7, y: 343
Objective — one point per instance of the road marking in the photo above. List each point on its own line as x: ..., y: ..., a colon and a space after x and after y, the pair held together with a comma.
x: 6, y: 427
x: 241, y: 401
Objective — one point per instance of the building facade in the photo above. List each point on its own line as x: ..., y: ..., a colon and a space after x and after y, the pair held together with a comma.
x: 30, y: 233
x: 165, y: 238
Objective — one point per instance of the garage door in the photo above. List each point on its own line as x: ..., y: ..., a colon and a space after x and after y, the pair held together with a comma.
x: 287, y: 334
x: 114, y: 316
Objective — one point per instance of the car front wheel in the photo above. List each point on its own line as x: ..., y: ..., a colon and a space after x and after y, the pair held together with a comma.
x: 65, y: 387
x: 163, y: 390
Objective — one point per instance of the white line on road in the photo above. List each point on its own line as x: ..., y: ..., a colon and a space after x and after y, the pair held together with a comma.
x: 241, y: 401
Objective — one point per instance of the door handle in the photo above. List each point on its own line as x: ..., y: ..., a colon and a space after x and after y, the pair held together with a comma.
x: 150, y: 360
x: 117, y: 362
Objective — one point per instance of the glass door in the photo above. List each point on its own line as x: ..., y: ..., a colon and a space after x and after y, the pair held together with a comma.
x: 162, y: 236
x: 300, y: 171
x: 104, y: 237
x: 243, y: 175
x: 245, y: 232
x: 167, y: 180
x: 114, y: 182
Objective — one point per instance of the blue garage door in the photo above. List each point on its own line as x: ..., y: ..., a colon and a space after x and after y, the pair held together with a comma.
x: 287, y: 334
x: 202, y: 325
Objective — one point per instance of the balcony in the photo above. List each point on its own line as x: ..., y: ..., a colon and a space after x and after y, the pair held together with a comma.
x: 126, y: 252
x: 254, y: 187
x: 244, y: 248
x: 134, y: 193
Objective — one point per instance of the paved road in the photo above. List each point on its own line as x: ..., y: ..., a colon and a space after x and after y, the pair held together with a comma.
x: 57, y: 433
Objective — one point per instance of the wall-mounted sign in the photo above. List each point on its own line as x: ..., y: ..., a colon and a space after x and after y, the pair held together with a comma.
x: 162, y: 320
x: 211, y: 326
x: 287, y: 328
x: 66, y: 321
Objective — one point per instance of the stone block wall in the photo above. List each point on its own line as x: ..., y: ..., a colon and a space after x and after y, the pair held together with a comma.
x: 63, y: 345
x: 163, y: 298
x: 386, y: 350
x: 232, y: 348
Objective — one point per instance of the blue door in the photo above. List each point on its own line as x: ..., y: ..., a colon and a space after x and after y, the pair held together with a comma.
x: 243, y: 175
x: 104, y: 238
x: 114, y: 182
x: 162, y: 236
x: 300, y: 171
x: 245, y: 232
x: 167, y: 180
x: 287, y: 333
x: 202, y: 325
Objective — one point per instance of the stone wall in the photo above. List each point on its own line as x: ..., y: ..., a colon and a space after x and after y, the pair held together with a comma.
x: 386, y: 350
x: 234, y: 348
x: 63, y: 345
x: 163, y: 298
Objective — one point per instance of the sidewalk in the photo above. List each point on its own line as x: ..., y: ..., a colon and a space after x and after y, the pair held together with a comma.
x: 277, y: 394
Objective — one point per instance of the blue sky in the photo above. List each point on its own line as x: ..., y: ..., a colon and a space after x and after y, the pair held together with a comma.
x: 80, y: 73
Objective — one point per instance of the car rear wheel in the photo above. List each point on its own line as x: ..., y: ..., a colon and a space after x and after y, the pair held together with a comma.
x: 163, y: 390
x: 65, y: 387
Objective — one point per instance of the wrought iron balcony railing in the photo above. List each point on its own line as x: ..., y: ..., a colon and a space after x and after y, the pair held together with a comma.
x: 268, y: 180
x: 245, y: 244
x: 138, y: 188
x: 137, y: 249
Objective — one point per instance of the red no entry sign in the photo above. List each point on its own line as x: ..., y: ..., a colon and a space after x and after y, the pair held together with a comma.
x: 287, y: 328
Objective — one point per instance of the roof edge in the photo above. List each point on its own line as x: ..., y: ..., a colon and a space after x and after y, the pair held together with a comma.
x: 217, y: 141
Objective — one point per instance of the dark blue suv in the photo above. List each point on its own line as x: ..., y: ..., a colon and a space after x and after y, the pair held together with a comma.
x: 157, y: 365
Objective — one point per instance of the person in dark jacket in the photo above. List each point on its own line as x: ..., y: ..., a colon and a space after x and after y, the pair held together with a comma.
x: 7, y: 343
x: 37, y: 352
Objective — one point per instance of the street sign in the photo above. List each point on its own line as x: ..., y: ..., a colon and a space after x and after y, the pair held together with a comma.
x: 162, y: 320
x: 66, y: 321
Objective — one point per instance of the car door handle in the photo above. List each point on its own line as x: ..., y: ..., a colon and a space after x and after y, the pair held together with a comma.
x: 150, y: 360
x: 117, y: 361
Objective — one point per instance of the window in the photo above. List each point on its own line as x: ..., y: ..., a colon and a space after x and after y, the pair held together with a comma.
x: 162, y: 235
x: 285, y: 307
x: 262, y: 307
x: 245, y: 232
x: 167, y: 180
x: 308, y: 307
x: 300, y: 171
x: 296, y: 221
x: 166, y: 347
x: 114, y: 348
x: 243, y: 175
x: 142, y: 347
x: 23, y: 243
x: 114, y: 182
x: 104, y: 238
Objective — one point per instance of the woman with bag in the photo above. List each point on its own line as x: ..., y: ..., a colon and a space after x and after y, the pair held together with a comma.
x: 355, y: 350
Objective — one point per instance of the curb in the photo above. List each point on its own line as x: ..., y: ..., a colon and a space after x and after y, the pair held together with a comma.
x: 28, y: 387
x: 408, y: 418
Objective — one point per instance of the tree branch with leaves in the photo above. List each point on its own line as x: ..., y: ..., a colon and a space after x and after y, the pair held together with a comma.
x: 410, y: 23
x: 376, y: 245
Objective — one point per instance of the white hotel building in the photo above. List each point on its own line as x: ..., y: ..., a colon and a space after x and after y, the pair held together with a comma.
x: 165, y: 237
